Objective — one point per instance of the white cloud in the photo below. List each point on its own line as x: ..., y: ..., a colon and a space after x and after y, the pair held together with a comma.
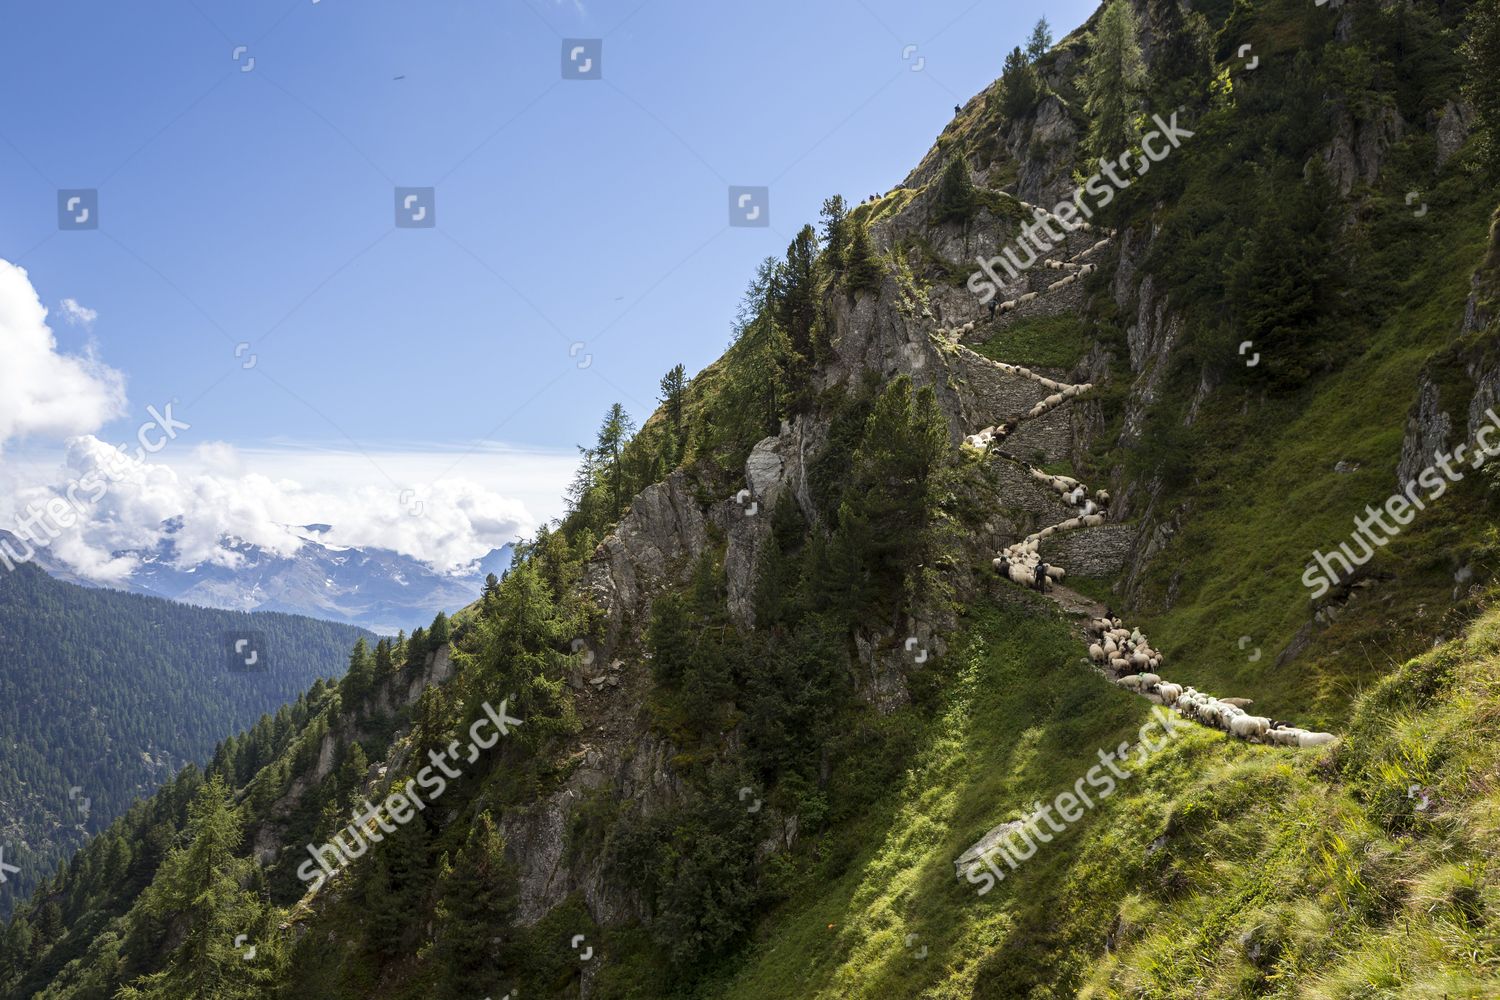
x: 78, y: 315
x: 43, y: 392
x: 466, y: 504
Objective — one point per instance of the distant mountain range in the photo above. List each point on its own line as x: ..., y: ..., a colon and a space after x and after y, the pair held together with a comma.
x: 378, y: 589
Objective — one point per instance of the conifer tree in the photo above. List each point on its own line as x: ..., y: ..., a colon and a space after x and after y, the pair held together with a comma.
x: 1115, y: 76
x: 477, y: 897
x: 201, y: 889
x: 834, y: 214
x: 1040, y: 41
x: 956, y: 198
x: 673, y: 400
x: 862, y: 269
x: 1019, y: 86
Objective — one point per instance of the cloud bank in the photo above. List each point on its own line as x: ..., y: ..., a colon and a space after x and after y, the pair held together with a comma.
x: 43, y: 392
x: 448, y: 524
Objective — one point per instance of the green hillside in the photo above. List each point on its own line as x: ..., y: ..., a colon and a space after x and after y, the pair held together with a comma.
x: 776, y: 703
x: 104, y: 696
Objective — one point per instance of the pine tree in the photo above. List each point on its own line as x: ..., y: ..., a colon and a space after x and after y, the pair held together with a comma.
x: 1114, y: 80
x: 477, y: 897
x: 673, y: 400
x: 1020, y: 87
x: 834, y: 214
x: 359, y: 681
x: 395, y: 887
x: 798, y: 311
x: 863, y: 267
x: 613, y: 433
x: 956, y: 198
x: 439, y: 634
x: 201, y: 889
x: 1040, y: 41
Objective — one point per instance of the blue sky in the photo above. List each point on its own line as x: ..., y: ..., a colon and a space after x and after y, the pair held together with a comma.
x: 255, y: 206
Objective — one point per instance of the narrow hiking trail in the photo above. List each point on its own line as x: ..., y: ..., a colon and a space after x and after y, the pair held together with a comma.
x: 1124, y: 655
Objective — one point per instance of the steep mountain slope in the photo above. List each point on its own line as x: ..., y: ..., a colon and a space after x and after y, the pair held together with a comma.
x: 105, y: 696
x: 783, y: 729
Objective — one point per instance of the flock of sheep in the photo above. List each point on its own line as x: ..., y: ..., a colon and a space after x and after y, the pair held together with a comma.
x: 1061, y: 393
x: 1022, y: 561
x: 1130, y: 660
x: 1124, y: 654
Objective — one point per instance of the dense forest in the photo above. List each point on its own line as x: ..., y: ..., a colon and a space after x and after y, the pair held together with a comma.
x: 760, y: 722
x: 105, y: 696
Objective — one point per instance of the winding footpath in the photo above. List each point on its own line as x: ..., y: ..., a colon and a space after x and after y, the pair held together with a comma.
x: 1122, y: 654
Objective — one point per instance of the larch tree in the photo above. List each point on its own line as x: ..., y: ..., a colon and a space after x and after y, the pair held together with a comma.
x: 1114, y: 80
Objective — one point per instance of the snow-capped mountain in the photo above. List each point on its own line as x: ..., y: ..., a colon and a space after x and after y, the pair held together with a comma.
x: 379, y: 589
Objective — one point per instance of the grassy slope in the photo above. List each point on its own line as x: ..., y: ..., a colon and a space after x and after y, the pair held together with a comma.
x: 1263, y: 505
x: 1317, y: 865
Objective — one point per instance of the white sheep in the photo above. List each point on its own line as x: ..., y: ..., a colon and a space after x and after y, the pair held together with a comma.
x: 1169, y: 692
x: 1247, y: 726
x: 1096, y: 653
x: 1093, y: 520
x: 1315, y: 739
